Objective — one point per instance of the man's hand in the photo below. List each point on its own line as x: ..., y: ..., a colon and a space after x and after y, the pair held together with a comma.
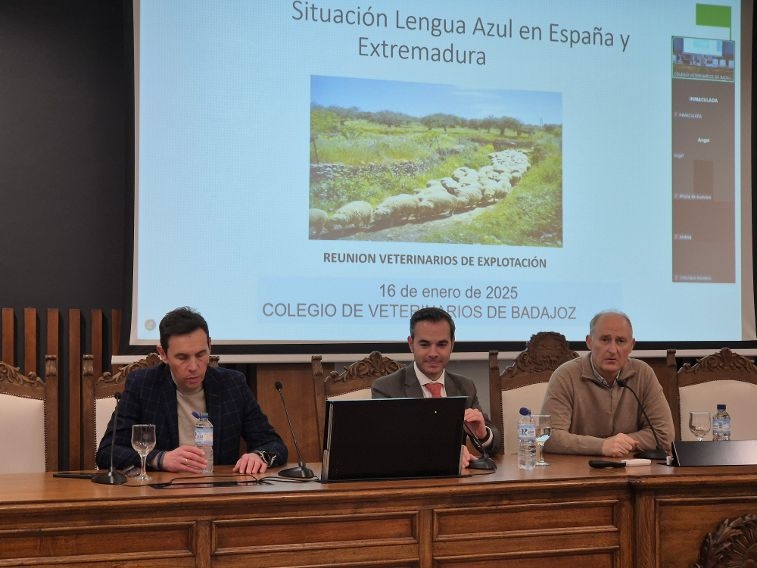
x: 618, y: 445
x: 475, y: 421
x: 250, y: 463
x: 184, y: 458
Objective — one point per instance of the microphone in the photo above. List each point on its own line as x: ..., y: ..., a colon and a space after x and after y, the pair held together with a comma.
x: 658, y: 453
x: 113, y: 477
x: 301, y: 471
x: 483, y: 462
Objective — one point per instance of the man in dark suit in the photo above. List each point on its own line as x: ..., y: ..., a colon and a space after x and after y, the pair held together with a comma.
x: 431, y: 340
x: 183, y: 384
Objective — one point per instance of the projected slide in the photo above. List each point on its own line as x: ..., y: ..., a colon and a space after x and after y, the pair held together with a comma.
x: 315, y: 171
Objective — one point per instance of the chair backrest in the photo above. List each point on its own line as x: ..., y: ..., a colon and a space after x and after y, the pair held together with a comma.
x: 29, y: 418
x: 722, y: 377
x: 353, y: 382
x: 98, y: 401
x: 524, y: 382
x: 666, y: 370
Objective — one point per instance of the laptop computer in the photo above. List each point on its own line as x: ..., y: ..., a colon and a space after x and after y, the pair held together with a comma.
x: 392, y: 438
x: 732, y: 452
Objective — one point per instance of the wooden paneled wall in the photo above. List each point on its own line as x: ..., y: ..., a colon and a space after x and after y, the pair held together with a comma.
x: 102, y: 339
x: 27, y: 335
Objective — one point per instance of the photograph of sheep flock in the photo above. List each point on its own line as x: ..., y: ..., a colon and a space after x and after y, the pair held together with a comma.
x: 433, y: 163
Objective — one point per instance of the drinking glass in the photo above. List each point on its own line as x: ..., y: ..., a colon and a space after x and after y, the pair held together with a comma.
x: 699, y: 423
x: 143, y: 441
x: 543, y: 424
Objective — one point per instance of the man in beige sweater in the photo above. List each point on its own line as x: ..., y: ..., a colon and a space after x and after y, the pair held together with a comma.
x: 591, y: 412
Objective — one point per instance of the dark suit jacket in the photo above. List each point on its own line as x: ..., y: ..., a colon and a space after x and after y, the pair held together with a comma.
x: 149, y: 397
x: 404, y: 384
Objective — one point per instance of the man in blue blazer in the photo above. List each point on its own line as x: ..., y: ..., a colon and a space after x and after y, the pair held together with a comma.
x: 431, y: 340
x: 167, y: 396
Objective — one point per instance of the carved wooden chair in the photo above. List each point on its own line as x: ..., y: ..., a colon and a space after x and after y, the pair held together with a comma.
x: 353, y: 382
x: 29, y: 418
x: 98, y: 402
x: 722, y: 377
x: 524, y: 382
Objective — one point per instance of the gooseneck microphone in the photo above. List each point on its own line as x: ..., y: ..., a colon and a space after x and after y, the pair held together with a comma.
x: 113, y: 477
x: 301, y: 471
x: 483, y: 462
x: 658, y: 453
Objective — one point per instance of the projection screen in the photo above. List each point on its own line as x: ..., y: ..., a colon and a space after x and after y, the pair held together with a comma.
x: 312, y: 172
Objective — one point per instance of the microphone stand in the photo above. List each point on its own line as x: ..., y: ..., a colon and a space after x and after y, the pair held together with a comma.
x: 301, y: 471
x: 483, y: 462
x: 113, y: 477
x: 658, y: 453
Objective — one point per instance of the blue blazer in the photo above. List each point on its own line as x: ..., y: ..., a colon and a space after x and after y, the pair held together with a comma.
x: 404, y: 384
x: 149, y: 397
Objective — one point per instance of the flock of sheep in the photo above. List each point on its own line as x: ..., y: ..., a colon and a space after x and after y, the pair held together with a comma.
x: 465, y: 189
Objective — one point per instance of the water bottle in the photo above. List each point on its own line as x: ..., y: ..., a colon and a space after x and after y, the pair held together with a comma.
x: 204, y: 440
x: 526, y: 440
x: 721, y: 425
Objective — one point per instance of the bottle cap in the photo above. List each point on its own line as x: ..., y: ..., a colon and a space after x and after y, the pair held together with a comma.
x: 721, y: 406
x: 524, y: 411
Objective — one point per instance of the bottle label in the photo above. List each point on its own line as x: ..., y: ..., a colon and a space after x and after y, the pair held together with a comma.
x: 721, y: 428
x: 203, y: 436
x: 526, y: 431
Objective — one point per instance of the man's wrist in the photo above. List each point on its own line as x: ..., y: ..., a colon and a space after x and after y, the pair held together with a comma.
x: 156, y: 462
x: 487, y: 437
x: 268, y: 458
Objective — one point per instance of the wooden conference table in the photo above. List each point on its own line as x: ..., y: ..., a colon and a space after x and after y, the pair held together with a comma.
x: 564, y: 515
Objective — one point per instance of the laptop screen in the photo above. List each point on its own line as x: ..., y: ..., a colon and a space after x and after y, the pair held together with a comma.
x: 732, y: 452
x: 392, y: 438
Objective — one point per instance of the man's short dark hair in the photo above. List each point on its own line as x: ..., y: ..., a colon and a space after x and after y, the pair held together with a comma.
x: 432, y: 314
x: 181, y: 321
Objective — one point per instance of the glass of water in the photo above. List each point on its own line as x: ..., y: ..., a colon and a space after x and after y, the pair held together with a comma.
x: 543, y: 424
x: 143, y: 441
x: 700, y: 423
